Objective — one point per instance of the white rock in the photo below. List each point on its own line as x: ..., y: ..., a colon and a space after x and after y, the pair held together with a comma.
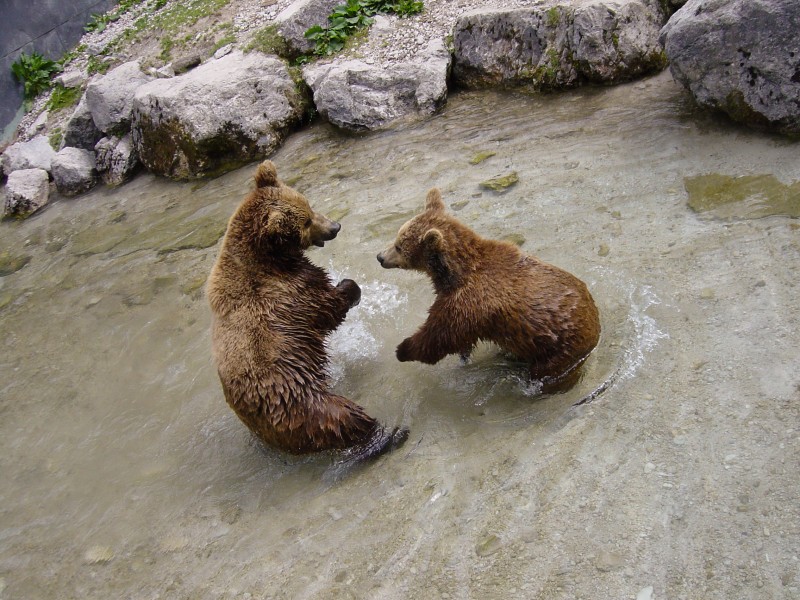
x: 110, y: 98
x: 357, y: 96
x: 34, y: 154
x: 27, y: 190
x: 224, y: 51
x: 72, y: 78
x: 231, y: 110
x: 74, y: 171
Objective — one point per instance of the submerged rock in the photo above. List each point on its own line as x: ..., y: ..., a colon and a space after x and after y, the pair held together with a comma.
x: 488, y: 545
x: 27, y: 190
x: 216, y: 117
x: 741, y: 57
x: 500, y: 183
x: 11, y: 263
x: 74, y: 171
x: 98, y: 555
x: 559, y: 45
x: 357, y: 96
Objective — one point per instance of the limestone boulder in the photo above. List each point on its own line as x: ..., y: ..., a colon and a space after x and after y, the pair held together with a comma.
x: 74, y: 171
x: 358, y: 96
x: 110, y: 98
x: 218, y: 116
x: 33, y: 154
x: 80, y: 130
x: 27, y: 190
x: 741, y: 57
x: 559, y: 45
x: 297, y: 18
x: 116, y: 159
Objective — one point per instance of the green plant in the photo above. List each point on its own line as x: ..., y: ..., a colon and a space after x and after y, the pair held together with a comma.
x: 34, y: 72
x: 228, y: 38
x: 98, y: 22
x: 63, y: 97
x: 345, y: 19
x: 97, y: 65
x: 166, y: 48
x: 348, y: 18
x: 403, y: 8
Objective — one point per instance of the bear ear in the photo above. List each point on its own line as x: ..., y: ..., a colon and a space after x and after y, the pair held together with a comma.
x: 266, y: 175
x: 434, y: 202
x: 433, y: 240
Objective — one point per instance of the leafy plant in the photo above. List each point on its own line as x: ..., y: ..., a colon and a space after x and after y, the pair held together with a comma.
x: 34, y: 72
x: 403, y: 8
x: 348, y: 18
x: 98, y: 22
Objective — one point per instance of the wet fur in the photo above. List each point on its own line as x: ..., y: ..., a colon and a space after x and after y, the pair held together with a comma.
x: 490, y: 290
x: 272, y: 312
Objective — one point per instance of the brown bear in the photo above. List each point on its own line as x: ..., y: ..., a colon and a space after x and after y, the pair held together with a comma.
x: 490, y: 290
x: 272, y: 310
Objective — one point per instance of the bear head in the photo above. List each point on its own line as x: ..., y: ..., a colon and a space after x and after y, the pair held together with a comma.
x: 274, y: 217
x: 433, y: 242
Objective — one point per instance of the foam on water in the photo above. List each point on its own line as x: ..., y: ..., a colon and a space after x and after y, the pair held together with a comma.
x: 358, y: 338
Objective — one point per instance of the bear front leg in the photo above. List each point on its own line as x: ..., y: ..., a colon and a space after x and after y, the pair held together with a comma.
x: 432, y: 343
x: 351, y: 292
x: 338, y: 300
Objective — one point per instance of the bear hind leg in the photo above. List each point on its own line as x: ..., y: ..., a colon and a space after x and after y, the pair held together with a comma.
x: 344, y: 425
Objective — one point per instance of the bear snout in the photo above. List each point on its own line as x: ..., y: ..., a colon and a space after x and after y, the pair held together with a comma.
x: 380, y: 258
x: 326, y: 234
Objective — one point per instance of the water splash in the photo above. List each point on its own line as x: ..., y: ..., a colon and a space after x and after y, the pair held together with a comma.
x: 358, y: 338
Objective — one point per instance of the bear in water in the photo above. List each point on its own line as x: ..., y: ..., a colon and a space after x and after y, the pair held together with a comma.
x: 272, y: 310
x: 490, y: 290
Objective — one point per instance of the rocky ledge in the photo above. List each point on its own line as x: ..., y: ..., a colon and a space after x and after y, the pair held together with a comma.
x: 741, y: 56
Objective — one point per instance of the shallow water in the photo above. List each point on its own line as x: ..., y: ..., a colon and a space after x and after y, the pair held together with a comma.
x: 126, y: 475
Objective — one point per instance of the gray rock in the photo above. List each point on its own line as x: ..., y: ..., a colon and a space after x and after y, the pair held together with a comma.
x: 224, y: 51
x: 74, y: 171
x: 71, y: 79
x: 559, y: 45
x: 34, y: 154
x: 110, y: 98
x: 80, y: 130
x: 186, y: 63
x: 116, y: 159
x: 40, y: 124
x: 27, y: 190
x: 741, y: 57
x: 357, y: 96
x: 293, y: 22
x: 164, y: 72
x: 218, y: 116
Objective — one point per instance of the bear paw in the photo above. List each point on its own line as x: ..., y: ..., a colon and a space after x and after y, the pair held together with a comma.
x: 351, y: 291
x: 403, y: 351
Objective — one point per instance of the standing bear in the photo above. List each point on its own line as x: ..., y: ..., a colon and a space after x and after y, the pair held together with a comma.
x: 489, y: 290
x: 272, y: 310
